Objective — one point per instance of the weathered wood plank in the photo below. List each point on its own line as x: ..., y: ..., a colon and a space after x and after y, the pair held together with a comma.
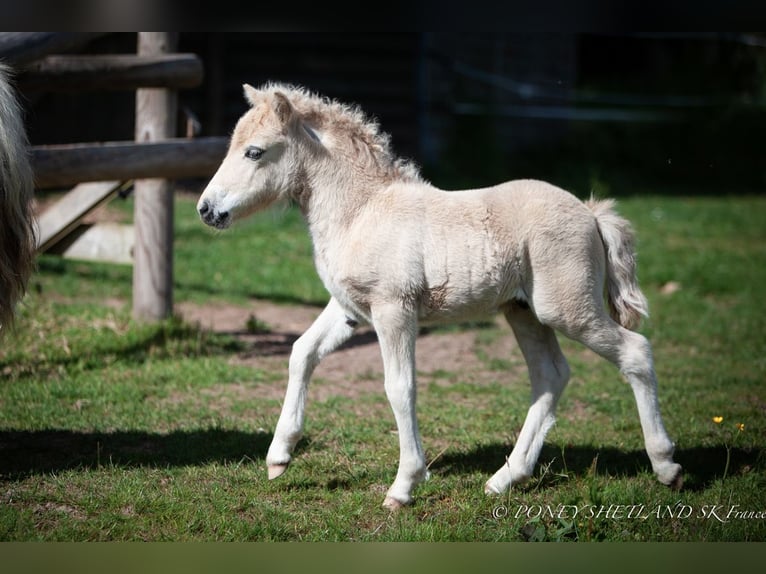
x: 56, y: 222
x: 21, y: 48
x: 153, y: 213
x: 70, y: 164
x: 112, y: 72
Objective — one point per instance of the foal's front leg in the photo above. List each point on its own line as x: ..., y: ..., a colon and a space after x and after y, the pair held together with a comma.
x: 397, y: 331
x: 329, y: 331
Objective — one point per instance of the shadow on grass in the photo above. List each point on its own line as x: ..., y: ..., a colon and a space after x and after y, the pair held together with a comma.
x: 702, y: 465
x: 274, y: 343
x: 28, y: 453
x: 171, y: 337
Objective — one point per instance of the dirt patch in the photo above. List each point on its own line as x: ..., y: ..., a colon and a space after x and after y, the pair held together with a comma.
x: 356, y: 368
x: 44, y: 511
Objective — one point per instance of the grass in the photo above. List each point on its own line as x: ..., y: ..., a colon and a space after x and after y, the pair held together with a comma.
x: 112, y: 430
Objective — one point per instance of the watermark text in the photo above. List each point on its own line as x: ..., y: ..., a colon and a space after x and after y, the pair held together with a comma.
x: 722, y: 513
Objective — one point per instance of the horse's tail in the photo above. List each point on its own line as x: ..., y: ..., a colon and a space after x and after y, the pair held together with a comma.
x: 627, y: 304
x: 17, y: 226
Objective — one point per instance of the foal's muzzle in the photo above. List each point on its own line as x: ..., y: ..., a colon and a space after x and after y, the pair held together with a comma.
x: 212, y: 217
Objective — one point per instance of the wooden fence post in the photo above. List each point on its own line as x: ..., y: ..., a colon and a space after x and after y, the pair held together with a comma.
x: 153, y: 215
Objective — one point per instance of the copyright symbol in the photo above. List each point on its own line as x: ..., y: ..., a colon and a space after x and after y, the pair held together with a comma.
x: 500, y: 511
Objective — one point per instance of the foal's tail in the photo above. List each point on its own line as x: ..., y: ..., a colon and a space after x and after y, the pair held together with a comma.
x: 627, y: 303
x: 17, y: 226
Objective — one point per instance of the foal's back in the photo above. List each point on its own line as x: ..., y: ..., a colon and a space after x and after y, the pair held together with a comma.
x: 463, y: 253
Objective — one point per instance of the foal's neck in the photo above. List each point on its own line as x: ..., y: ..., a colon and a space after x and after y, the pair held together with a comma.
x: 332, y: 195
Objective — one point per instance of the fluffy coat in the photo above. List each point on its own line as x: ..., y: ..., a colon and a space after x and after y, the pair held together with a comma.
x: 17, y: 225
x: 396, y: 252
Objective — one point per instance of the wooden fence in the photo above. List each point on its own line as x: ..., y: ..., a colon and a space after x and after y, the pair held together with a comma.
x: 98, y: 171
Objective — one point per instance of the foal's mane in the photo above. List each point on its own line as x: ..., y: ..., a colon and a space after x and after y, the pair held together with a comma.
x: 350, y: 127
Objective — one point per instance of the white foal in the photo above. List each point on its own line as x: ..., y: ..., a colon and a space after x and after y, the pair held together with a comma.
x: 396, y: 252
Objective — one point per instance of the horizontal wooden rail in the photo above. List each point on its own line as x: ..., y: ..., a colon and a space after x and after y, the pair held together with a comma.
x: 21, y: 48
x: 112, y: 72
x: 70, y: 164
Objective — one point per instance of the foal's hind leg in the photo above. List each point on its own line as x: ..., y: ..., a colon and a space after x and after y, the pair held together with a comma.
x: 329, y: 331
x: 632, y: 354
x: 548, y: 373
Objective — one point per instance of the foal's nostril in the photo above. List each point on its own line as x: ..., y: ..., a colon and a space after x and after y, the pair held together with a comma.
x: 204, y: 208
x: 223, y: 215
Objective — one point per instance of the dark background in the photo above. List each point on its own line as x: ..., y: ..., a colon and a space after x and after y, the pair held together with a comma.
x: 610, y: 113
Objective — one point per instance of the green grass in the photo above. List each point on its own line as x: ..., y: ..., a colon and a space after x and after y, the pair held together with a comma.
x: 268, y: 256
x: 111, y: 430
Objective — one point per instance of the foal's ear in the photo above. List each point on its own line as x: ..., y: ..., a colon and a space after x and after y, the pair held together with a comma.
x: 282, y: 107
x: 251, y: 94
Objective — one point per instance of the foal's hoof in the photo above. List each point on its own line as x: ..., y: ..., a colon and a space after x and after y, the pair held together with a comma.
x: 392, y: 504
x: 678, y: 481
x: 490, y: 490
x: 276, y: 470
x: 673, y: 476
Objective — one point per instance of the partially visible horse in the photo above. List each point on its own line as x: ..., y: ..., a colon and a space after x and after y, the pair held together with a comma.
x: 17, y: 226
x: 396, y: 252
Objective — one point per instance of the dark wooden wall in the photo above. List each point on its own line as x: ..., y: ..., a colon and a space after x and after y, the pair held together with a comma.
x: 431, y: 92
x: 378, y: 71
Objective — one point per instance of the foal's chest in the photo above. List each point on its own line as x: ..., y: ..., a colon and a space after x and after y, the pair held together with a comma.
x: 352, y: 293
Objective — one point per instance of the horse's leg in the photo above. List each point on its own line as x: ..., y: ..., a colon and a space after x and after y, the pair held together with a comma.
x: 575, y: 307
x: 548, y: 374
x: 330, y: 330
x: 397, y: 331
x: 632, y: 354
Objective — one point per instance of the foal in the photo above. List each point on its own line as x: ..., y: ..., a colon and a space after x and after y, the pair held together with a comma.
x: 396, y: 252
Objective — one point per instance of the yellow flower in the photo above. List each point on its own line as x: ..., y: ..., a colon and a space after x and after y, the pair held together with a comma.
x: 718, y: 420
x: 741, y: 426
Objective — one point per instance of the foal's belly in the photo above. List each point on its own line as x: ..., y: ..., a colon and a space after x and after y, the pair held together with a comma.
x: 443, y: 304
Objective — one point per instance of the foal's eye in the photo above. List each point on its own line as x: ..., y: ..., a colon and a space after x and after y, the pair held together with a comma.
x: 253, y: 152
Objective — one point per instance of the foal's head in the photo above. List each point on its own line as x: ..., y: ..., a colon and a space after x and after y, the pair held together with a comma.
x: 287, y: 141
x: 263, y: 163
